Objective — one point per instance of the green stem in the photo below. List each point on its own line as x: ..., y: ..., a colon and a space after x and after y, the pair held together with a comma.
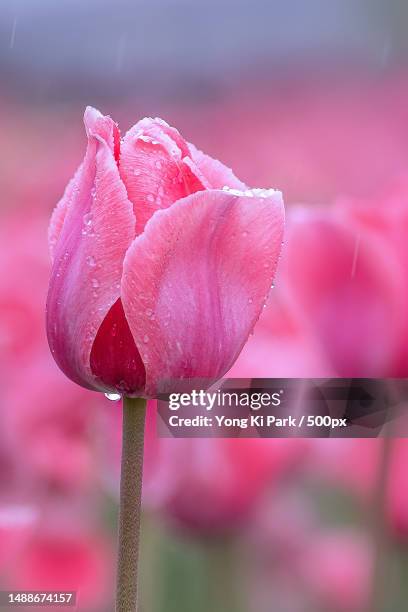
x: 224, y: 582
x: 381, y: 573
x: 134, y: 411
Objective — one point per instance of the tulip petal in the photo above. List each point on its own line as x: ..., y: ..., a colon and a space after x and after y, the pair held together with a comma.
x: 156, y: 168
x: 96, y: 230
x: 195, y: 281
x: 115, y: 360
x: 60, y: 211
x: 107, y: 130
x: 217, y: 175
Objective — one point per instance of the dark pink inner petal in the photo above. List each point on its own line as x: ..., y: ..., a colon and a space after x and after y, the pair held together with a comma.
x: 115, y: 359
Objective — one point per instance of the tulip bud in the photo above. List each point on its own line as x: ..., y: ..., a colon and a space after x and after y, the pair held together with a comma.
x: 162, y: 261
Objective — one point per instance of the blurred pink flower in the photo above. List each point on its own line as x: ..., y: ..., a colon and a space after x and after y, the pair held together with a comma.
x: 16, y: 524
x: 326, y: 568
x: 54, y: 421
x: 58, y: 561
x: 167, y: 284
x: 212, y: 485
x: 24, y: 272
x: 337, y: 567
x: 354, y: 465
x: 386, y: 218
x: 341, y: 303
x: 347, y: 463
x: 56, y: 424
x: 350, y: 288
x: 322, y: 136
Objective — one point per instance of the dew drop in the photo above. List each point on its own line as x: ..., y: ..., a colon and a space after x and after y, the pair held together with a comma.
x: 149, y: 313
x: 158, y: 164
x: 90, y: 260
x: 113, y: 397
x: 143, y: 138
x: 250, y: 301
x: 95, y: 283
x: 146, y: 339
x: 137, y: 172
x: 88, y: 219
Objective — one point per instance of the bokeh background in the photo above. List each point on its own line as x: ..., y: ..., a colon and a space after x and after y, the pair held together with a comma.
x: 309, y: 97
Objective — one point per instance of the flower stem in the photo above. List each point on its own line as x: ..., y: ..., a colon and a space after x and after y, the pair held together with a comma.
x: 134, y: 411
x: 224, y: 576
x: 382, y: 561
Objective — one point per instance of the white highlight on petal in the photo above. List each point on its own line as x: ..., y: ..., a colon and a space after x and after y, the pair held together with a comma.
x: 253, y: 193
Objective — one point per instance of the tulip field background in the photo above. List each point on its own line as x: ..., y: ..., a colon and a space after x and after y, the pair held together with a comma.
x: 311, y: 100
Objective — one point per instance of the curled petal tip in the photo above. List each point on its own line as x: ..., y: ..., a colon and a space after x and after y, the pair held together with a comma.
x: 91, y: 116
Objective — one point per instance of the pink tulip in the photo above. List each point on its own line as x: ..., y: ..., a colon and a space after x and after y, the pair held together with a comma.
x: 162, y: 261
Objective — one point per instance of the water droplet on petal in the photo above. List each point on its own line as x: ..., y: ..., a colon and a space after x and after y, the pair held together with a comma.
x: 95, y: 283
x: 113, y: 397
x: 90, y: 260
x: 88, y: 219
x: 146, y: 339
